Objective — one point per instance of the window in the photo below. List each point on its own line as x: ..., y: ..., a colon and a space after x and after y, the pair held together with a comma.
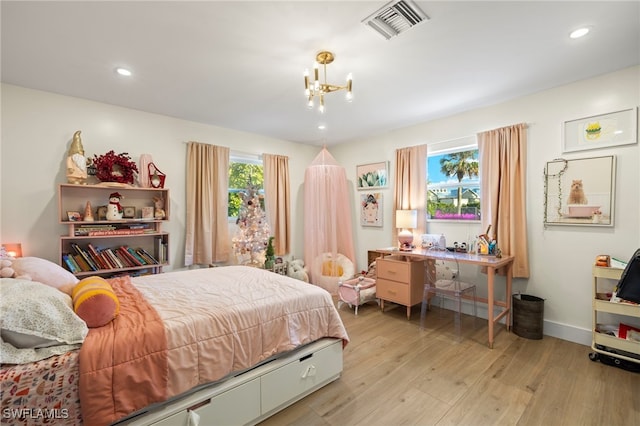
x: 244, y: 170
x: 453, y: 184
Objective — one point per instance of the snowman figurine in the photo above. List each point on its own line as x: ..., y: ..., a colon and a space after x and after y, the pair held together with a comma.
x: 114, y: 209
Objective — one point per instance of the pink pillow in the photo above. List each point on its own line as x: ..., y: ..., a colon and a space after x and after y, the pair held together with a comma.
x: 43, y: 271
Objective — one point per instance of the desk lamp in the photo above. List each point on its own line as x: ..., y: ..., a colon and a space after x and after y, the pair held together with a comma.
x: 406, y: 220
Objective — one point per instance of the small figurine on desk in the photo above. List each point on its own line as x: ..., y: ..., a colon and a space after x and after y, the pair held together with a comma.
x: 114, y: 209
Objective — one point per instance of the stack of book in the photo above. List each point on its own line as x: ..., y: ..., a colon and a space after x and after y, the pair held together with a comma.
x: 93, y: 259
x: 103, y: 229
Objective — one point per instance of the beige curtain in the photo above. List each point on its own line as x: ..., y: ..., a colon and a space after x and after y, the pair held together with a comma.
x: 207, y: 227
x: 503, y: 188
x: 410, y: 189
x: 277, y: 200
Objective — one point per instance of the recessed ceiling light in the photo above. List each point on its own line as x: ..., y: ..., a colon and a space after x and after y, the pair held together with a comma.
x: 321, y: 127
x: 580, y: 32
x: 123, y: 71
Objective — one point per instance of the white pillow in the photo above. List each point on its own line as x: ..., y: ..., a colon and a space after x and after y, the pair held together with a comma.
x: 33, y: 314
x: 43, y: 271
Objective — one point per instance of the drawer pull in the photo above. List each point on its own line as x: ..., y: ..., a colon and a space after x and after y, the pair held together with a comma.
x: 310, y: 371
x: 392, y: 292
x: 199, y: 404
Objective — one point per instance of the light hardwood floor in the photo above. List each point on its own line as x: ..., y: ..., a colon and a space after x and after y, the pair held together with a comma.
x: 396, y: 373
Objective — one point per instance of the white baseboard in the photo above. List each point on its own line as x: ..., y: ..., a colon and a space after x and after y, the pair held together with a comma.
x: 567, y: 332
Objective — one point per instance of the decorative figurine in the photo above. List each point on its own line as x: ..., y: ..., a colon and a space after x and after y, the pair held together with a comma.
x: 159, y: 212
x: 114, y: 209
x: 76, y: 162
x: 88, y: 214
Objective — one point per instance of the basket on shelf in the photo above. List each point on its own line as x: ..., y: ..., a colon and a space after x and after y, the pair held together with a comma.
x: 156, y: 177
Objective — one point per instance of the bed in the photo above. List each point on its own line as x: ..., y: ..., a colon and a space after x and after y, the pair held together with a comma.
x: 232, y: 345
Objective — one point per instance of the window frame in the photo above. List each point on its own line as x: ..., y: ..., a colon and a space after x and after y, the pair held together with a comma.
x: 442, y: 148
x: 237, y: 157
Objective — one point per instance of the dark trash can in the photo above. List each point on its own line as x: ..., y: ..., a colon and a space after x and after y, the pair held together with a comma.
x: 528, y: 316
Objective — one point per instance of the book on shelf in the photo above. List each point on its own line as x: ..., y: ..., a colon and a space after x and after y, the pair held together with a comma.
x: 131, y: 259
x: 117, y: 232
x: 95, y: 230
x: 137, y: 256
x: 160, y: 250
x: 114, y: 259
x: 85, y: 256
x: 145, y: 254
x: 71, y: 266
x: 124, y: 259
x: 107, y: 259
x: 84, y: 266
x: 97, y: 259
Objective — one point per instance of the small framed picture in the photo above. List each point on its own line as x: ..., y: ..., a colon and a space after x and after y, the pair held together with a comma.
x: 74, y: 216
x: 374, y: 175
x: 601, y: 131
x: 128, y: 212
x: 371, y: 209
x: 102, y: 212
x: 147, y: 212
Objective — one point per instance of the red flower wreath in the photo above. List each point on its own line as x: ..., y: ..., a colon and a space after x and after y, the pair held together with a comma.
x: 115, y: 168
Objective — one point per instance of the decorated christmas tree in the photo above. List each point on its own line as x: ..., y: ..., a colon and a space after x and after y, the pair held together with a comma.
x: 253, y: 233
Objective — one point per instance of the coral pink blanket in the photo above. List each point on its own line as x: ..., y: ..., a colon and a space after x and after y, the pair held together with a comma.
x: 124, y: 364
x: 195, y: 327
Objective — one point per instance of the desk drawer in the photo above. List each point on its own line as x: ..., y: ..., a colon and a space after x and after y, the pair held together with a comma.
x: 393, y: 291
x: 394, y: 270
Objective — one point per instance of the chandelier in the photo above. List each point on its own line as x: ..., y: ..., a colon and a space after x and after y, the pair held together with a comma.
x: 317, y: 88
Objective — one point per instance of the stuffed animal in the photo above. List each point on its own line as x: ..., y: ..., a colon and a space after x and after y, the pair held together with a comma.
x: 297, y: 270
x: 7, y: 271
x: 39, y: 268
x: 159, y: 212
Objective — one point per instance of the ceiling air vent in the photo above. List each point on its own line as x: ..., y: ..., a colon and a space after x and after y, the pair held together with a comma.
x: 395, y: 18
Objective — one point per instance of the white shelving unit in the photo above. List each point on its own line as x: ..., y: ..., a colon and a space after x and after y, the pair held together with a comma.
x: 603, y: 343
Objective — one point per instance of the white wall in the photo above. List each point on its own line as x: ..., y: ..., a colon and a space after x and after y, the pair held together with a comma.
x: 37, y: 128
x: 560, y: 256
x: 36, y: 133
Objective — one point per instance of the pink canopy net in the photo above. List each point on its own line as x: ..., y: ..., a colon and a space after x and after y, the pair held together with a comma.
x: 328, y: 251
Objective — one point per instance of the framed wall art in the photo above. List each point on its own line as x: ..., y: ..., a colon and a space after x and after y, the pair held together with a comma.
x: 371, y: 209
x: 580, y: 191
x: 601, y: 131
x: 373, y: 175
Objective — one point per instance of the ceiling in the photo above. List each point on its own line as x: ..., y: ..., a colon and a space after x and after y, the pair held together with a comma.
x: 240, y: 64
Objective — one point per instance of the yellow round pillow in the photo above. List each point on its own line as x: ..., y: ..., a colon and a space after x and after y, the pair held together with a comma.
x: 95, y: 301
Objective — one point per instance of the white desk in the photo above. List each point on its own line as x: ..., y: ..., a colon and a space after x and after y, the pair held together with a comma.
x: 492, y: 263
